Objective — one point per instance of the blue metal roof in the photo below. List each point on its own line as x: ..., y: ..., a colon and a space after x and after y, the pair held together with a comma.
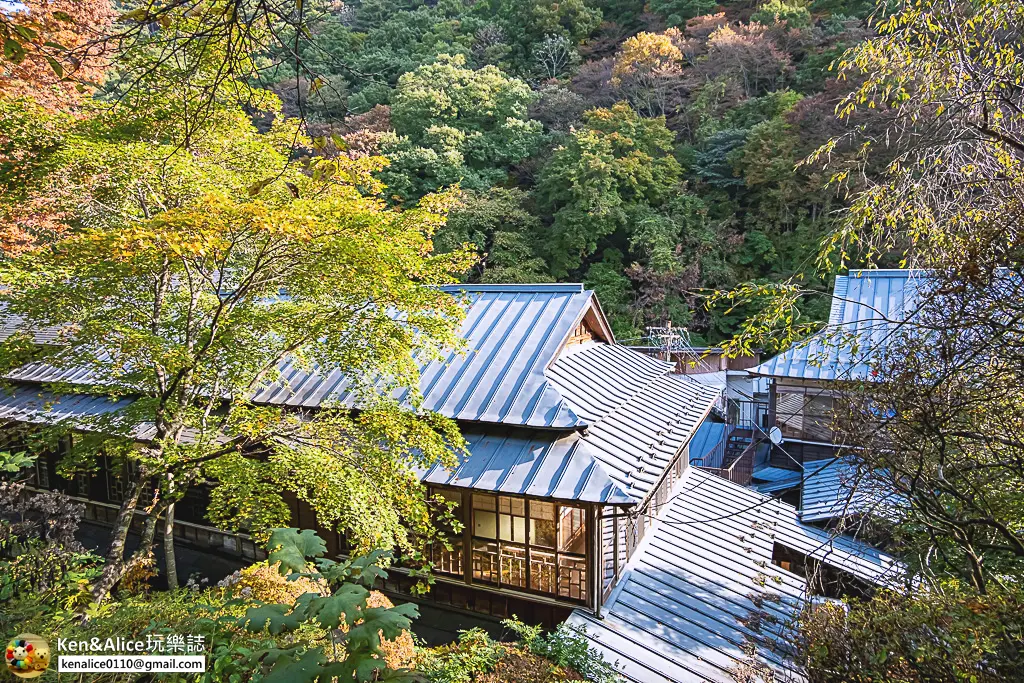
x: 640, y: 415
x: 701, y: 597
x: 86, y: 412
x: 512, y: 333
x: 867, y: 307
x: 838, y: 488
x: 531, y: 463
x: 519, y: 373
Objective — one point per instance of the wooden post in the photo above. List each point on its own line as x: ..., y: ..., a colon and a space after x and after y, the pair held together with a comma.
x: 467, y: 536
x: 593, y: 597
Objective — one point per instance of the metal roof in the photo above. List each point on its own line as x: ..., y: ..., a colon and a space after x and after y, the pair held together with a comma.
x: 10, y: 324
x: 867, y: 307
x: 531, y: 463
x: 838, y: 487
x: 701, y: 590
x: 708, y: 436
x: 87, y: 412
x: 775, y: 479
x: 513, y: 333
x: 641, y: 415
x: 639, y: 418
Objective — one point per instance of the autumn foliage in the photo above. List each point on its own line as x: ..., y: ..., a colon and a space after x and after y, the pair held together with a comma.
x: 60, y: 51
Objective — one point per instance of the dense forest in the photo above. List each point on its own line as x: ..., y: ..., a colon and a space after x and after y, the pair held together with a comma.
x: 651, y: 150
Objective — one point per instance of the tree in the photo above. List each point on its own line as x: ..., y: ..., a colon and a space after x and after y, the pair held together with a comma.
x: 647, y: 68
x: 747, y: 54
x: 593, y: 180
x: 937, y: 422
x: 52, y: 51
x: 779, y: 12
x: 457, y: 124
x: 527, y: 23
x: 168, y: 283
x: 677, y: 12
x: 503, y: 232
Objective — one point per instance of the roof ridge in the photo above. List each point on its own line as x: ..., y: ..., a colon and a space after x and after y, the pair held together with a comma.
x: 540, y: 287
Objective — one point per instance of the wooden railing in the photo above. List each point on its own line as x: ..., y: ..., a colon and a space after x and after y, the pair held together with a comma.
x: 741, y: 470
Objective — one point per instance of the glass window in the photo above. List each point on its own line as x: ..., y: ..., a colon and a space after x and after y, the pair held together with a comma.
x: 572, y: 533
x: 485, y: 521
x: 512, y: 519
x: 533, y: 545
x: 542, y: 524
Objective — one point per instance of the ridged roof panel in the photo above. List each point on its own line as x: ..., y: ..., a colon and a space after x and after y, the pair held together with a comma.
x: 867, y: 306
x: 701, y: 596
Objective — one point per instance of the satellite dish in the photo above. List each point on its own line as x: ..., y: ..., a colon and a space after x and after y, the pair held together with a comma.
x: 775, y: 435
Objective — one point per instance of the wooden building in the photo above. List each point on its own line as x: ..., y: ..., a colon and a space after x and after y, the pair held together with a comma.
x: 574, y: 443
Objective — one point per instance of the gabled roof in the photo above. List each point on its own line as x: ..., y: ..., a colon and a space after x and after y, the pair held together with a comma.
x: 639, y: 417
x: 867, y: 307
x: 701, y: 590
x: 614, y: 418
x: 513, y: 333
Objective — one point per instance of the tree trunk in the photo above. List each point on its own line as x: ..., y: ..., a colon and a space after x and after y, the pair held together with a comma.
x: 118, y: 537
x: 170, y: 561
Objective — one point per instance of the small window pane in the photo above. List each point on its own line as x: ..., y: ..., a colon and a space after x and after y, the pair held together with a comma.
x: 484, y: 524
x: 572, y: 577
x: 512, y: 528
x: 572, y: 532
x: 485, y: 561
x: 482, y: 502
x: 542, y: 571
x: 542, y: 524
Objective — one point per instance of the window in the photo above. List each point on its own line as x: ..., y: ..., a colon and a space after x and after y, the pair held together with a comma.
x: 530, y: 544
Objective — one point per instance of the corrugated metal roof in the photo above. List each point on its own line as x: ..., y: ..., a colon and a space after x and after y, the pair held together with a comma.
x: 640, y: 417
x: 866, y: 304
x: 9, y: 324
x: 87, y: 412
x: 701, y: 590
x: 598, y: 378
x: 531, y: 463
x: 513, y: 332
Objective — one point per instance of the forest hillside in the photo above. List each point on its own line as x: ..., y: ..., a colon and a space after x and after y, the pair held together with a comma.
x: 651, y: 150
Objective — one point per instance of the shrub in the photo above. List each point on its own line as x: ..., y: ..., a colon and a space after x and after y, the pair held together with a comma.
x: 565, y: 647
x: 474, y: 653
x: 264, y: 582
x: 936, y: 635
x: 779, y: 12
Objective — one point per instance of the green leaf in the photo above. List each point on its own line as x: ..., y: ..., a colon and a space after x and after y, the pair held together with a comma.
x: 298, y: 670
x: 346, y: 604
x: 14, y: 51
x: 58, y: 69
x: 26, y: 32
x: 389, y: 621
x: 366, y: 569
x: 275, y: 618
x: 257, y: 187
x: 293, y: 548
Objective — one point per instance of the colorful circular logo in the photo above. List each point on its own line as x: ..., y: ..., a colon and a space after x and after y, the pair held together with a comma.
x: 27, y: 656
